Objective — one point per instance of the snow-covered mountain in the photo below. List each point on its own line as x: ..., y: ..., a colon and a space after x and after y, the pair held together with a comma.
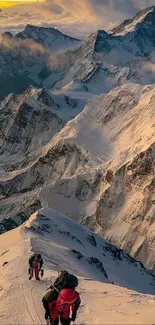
x: 28, y: 58
x: 112, y: 126
x: 104, y: 60
x: 91, y: 171
x: 28, y: 122
x: 143, y: 17
x: 67, y: 107
x: 66, y: 245
x: 51, y: 38
x: 79, y: 250
x: 97, y: 169
x: 101, y: 62
x: 118, y: 129
x: 126, y: 210
x: 20, y: 63
x: 81, y: 168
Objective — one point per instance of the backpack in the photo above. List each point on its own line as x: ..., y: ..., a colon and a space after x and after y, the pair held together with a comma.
x: 64, y: 305
x: 65, y: 280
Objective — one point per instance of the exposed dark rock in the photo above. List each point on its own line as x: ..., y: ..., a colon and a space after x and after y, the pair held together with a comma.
x: 98, y: 264
x: 20, y: 218
x: 68, y: 234
x: 91, y: 239
x: 5, y: 263
x: 115, y: 252
x: 78, y: 254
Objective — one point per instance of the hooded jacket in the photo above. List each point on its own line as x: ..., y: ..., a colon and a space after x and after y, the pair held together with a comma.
x: 33, y: 258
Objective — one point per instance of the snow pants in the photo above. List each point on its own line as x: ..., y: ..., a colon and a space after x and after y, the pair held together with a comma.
x: 63, y: 321
x: 34, y: 269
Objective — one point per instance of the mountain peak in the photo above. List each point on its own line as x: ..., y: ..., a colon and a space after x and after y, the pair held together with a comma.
x: 142, y: 13
x: 33, y: 28
x: 30, y: 27
x: 40, y: 29
x: 95, y: 42
x: 49, y: 37
x: 101, y: 40
x: 129, y: 25
x: 6, y: 35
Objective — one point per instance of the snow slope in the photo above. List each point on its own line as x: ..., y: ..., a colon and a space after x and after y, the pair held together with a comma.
x: 68, y: 105
x: 28, y: 122
x: 55, y: 236
x: 116, y: 125
x: 29, y: 58
x: 119, y: 129
x: 50, y: 37
x: 70, y: 173
x: 131, y: 24
x: 106, y: 60
x: 101, y: 62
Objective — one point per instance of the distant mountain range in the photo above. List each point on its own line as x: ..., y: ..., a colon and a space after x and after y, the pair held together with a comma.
x: 94, y: 66
x: 97, y: 168
x: 50, y: 37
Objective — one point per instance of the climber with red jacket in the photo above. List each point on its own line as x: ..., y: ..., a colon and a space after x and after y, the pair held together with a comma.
x: 35, y: 266
x: 62, y: 304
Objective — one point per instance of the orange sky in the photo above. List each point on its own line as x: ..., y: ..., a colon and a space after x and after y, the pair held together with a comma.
x: 9, y: 3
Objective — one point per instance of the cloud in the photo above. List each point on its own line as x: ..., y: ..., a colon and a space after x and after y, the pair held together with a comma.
x: 77, y: 18
x: 27, y: 50
x: 97, y: 9
x: 93, y: 14
x: 15, y: 22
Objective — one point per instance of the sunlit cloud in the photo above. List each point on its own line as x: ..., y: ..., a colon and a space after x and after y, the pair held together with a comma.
x: 9, y: 3
x: 77, y: 18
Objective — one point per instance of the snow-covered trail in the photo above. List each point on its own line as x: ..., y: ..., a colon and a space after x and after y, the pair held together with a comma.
x: 17, y: 293
x: 20, y: 299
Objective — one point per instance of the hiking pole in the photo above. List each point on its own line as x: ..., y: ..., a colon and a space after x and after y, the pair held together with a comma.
x: 48, y: 321
x: 52, y: 285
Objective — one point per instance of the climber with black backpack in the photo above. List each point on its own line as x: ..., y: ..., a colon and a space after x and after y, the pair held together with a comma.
x: 35, y: 266
x: 61, y: 303
x: 65, y: 280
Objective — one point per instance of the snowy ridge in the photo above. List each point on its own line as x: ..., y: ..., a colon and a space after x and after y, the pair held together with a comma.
x: 104, y: 61
x: 117, y: 128
x: 29, y: 179
x: 86, y: 253
x: 65, y: 244
x: 101, y: 62
x: 74, y: 166
x: 130, y: 24
x: 66, y: 164
x: 110, y: 118
x: 129, y: 200
x: 28, y: 122
x: 51, y: 38
x: 72, y: 172
x: 29, y: 59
